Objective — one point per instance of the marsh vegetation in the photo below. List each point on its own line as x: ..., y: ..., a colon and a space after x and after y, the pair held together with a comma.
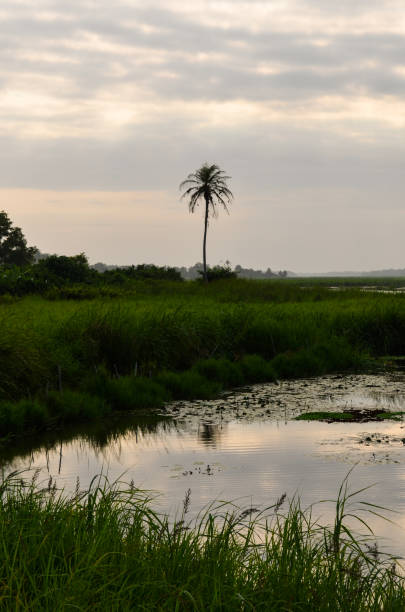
x: 107, y: 549
x: 77, y: 356
x: 69, y: 360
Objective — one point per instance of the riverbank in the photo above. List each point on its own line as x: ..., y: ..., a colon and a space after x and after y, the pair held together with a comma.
x: 67, y: 361
x: 107, y: 549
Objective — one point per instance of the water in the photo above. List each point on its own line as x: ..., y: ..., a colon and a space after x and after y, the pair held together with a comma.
x: 245, y: 447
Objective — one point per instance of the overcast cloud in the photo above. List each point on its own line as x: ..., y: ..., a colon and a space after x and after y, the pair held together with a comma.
x: 301, y: 101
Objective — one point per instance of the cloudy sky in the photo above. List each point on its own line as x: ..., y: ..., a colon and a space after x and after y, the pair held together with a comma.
x: 106, y: 106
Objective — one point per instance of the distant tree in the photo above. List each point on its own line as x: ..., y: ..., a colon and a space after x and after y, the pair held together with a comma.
x: 219, y: 273
x: 208, y: 183
x: 13, y: 245
x: 63, y: 268
x: 142, y: 272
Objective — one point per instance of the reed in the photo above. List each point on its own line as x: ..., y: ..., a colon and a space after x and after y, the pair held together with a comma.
x: 190, y: 342
x: 107, y: 549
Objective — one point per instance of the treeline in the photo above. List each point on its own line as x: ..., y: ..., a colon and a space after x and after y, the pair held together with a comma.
x: 196, y: 271
x: 64, y: 276
x: 223, y: 271
x: 72, y: 277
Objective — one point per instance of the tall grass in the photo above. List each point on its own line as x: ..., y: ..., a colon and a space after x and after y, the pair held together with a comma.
x: 107, y: 549
x: 141, y: 352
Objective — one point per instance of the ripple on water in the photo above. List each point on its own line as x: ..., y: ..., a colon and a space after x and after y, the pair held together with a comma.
x: 246, y: 446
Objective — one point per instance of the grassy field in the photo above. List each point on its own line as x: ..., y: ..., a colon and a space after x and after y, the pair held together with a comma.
x: 106, y: 549
x: 75, y: 360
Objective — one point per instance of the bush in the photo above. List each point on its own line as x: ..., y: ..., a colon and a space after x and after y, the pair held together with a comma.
x: 127, y: 392
x: 188, y: 385
x: 256, y: 369
x: 60, y: 268
x: 141, y: 272
x: 223, y: 371
x: 219, y: 273
x: 74, y: 405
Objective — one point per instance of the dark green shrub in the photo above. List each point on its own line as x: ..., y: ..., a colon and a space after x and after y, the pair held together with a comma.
x: 130, y: 393
x: 256, y: 369
x: 141, y: 272
x: 296, y: 364
x: 16, y: 417
x: 127, y: 392
x: 72, y: 405
x: 337, y: 355
x: 219, y: 273
x: 60, y: 268
x: 223, y: 371
x: 188, y: 385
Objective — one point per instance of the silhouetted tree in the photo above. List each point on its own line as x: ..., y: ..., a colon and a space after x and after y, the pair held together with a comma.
x: 13, y: 245
x: 208, y: 183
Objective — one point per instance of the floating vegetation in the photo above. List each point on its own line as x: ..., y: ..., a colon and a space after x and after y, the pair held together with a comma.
x: 353, y: 416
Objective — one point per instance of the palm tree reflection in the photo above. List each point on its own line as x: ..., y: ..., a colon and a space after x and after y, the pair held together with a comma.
x: 210, y: 434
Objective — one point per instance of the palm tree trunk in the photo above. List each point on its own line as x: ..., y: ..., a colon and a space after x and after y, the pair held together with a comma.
x: 205, y: 240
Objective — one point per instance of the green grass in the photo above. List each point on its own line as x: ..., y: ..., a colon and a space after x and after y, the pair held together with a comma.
x: 325, y: 416
x: 351, y: 415
x: 107, y: 549
x: 181, y: 341
x: 396, y: 416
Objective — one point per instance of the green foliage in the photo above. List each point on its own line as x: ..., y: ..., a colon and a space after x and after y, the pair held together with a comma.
x: 351, y: 415
x: 13, y: 245
x: 55, y: 409
x: 222, y: 370
x: 188, y: 385
x: 71, y: 406
x: 25, y: 362
x: 62, y: 277
x: 325, y: 416
x: 256, y: 369
x: 190, y: 344
x: 126, y: 392
x: 21, y: 416
x: 61, y: 269
x: 141, y: 272
x: 218, y: 273
x: 144, y: 281
x: 107, y: 549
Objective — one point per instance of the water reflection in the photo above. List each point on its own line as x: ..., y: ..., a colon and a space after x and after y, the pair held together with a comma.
x: 97, y: 436
x: 243, y: 446
x: 210, y: 434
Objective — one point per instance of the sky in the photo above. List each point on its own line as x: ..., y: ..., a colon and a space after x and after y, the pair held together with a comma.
x: 105, y: 107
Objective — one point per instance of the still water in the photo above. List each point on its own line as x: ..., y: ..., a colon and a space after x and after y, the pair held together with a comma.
x: 245, y: 447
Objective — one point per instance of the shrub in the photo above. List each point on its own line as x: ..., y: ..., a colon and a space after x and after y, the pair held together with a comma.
x: 60, y: 268
x: 219, y: 273
x: 126, y: 392
x: 17, y: 417
x: 188, y: 385
x: 73, y: 405
x: 223, y: 371
x: 256, y: 369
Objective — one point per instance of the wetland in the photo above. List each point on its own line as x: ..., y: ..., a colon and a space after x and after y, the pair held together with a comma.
x: 246, y: 446
x: 182, y: 406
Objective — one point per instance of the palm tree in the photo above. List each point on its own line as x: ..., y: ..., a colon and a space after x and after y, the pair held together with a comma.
x: 208, y: 182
